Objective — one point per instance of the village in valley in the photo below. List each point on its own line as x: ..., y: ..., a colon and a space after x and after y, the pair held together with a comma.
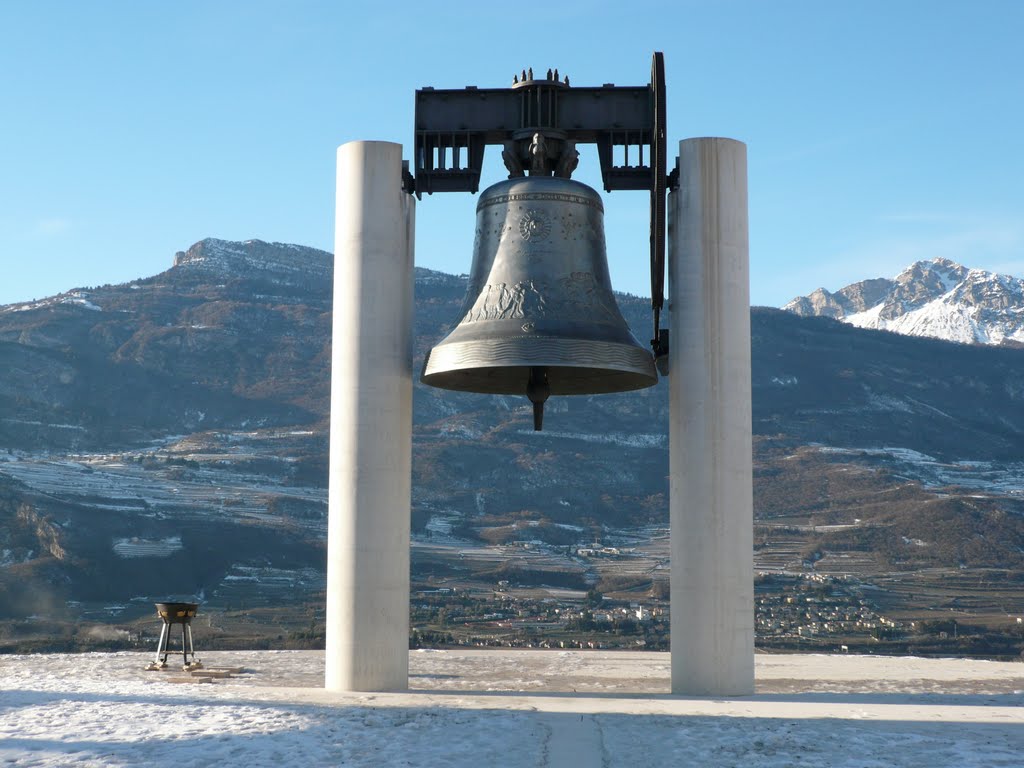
x: 809, y: 611
x: 795, y: 610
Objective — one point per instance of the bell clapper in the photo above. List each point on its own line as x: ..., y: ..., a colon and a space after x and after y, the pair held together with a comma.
x: 538, y: 389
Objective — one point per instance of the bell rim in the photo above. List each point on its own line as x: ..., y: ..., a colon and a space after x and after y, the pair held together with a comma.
x: 477, y: 366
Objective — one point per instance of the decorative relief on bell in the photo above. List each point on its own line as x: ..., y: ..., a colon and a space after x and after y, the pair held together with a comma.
x: 583, y: 299
x: 579, y: 298
x: 570, y: 226
x: 534, y: 225
x: 554, y: 197
x: 504, y: 302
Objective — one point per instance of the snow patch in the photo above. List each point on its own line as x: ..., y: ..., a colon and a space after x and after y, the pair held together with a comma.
x: 994, y: 478
x: 135, y: 547
x: 869, y: 318
x: 614, y: 438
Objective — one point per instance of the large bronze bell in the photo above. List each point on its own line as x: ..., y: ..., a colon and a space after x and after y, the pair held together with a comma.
x: 539, y: 316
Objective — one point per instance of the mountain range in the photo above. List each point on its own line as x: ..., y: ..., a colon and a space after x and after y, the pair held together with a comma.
x: 169, y: 436
x: 938, y: 298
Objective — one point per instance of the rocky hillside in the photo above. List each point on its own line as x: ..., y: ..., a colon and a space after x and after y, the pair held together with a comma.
x: 145, y: 425
x: 226, y: 337
x: 938, y: 298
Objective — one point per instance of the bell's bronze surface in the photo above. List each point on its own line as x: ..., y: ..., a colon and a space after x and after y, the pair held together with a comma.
x: 539, y: 316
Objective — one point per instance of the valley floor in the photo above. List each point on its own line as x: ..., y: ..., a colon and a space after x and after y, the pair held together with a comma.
x: 510, y: 708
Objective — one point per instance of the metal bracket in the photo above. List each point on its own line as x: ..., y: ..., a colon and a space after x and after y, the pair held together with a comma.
x: 539, y: 122
x: 659, y: 190
x: 453, y: 127
x: 408, y: 181
x: 673, y: 178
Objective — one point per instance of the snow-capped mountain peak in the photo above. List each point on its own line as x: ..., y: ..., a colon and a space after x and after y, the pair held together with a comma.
x: 937, y: 298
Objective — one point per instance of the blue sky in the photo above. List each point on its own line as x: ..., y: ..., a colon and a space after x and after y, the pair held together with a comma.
x: 878, y: 133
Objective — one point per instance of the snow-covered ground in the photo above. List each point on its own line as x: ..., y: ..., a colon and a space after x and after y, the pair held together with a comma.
x: 511, y: 708
x: 117, y: 482
x: 985, y: 476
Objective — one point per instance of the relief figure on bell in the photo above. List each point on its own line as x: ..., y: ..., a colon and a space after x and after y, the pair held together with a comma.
x: 491, y: 303
x: 530, y: 300
x: 516, y: 309
x: 585, y: 298
x: 500, y: 301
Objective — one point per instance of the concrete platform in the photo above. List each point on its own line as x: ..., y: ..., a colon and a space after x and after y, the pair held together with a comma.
x: 512, y: 708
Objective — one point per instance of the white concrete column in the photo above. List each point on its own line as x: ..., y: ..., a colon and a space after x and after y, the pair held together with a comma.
x: 710, y: 449
x: 371, y: 423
